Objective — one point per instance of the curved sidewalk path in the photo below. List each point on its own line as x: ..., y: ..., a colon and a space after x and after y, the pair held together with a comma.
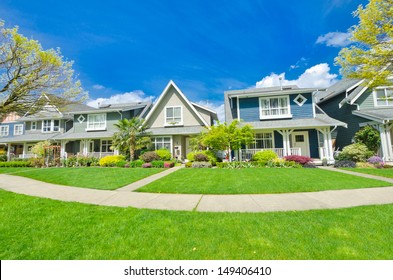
x: 204, y: 203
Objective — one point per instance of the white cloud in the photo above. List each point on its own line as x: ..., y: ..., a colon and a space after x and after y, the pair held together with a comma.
x: 334, y: 39
x: 98, y: 87
x: 318, y: 76
x: 218, y: 107
x: 127, y: 97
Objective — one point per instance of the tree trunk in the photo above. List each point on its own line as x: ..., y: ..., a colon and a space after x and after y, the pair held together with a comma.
x: 132, y: 154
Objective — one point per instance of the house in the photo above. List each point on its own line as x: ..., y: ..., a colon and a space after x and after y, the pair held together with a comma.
x: 358, y: 105
x: 10, y: 127
x: 285, y: 119
x: 93, y: 128
x: 174, y: 119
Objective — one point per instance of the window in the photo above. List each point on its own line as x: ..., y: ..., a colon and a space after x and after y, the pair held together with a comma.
x: 96, y: 122
x: 173, y: 115
x: 162, y: 143
x: 299, y: 138
x: 300, y: 100
x: 50, y: 125
x: 274, y: 107
x: 33, y: 125
x: 384, y: 96
x: 4, y: 129
x: 262, y: 141
x: 106, y: 146
x: 18, y: 129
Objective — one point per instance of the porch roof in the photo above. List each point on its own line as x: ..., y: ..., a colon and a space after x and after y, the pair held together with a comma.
x: 378, y: 114
x: 179, y: 130
x: 321, y: 120
x: 30, y: 137
x: 71, y: 135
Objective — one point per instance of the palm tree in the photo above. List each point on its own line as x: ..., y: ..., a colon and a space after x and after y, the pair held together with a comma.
x: 131, y: 136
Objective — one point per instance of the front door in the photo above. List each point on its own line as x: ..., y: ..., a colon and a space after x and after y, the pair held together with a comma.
x: 300, y: 140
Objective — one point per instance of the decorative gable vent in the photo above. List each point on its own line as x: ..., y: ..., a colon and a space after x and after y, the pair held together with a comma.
x: 81, y: 119
x: 300, y: 100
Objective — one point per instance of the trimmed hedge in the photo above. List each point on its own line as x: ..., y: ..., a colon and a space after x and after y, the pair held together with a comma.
x: 149, y: 156
x: 111, y: 161
x: 164, y: 154
x: 264, y: 157
x: 15, y: 164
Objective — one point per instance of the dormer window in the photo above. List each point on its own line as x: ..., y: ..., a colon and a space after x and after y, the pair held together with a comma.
x: 173, y: 115
x: 276, y: 107
x: 384, y: 96
x: 96, y: 122
x: 50, y: 125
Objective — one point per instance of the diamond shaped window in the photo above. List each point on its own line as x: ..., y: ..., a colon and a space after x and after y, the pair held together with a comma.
x: 300, y: 100
x: 81, y: 119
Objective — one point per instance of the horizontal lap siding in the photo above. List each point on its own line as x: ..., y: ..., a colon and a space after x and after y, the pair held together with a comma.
x: 301, y: 112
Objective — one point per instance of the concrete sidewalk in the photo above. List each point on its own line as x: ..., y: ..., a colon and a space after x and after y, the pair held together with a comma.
x: 202, y: 203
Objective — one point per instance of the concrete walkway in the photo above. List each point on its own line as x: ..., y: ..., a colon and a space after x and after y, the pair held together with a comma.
x: 204, y: 203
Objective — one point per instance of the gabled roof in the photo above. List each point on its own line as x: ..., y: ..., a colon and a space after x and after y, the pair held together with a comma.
x: 343, y: 86
x: 269, y: 91
x: 165, y: 92
x: 381, y: 115
x: 109, y: 108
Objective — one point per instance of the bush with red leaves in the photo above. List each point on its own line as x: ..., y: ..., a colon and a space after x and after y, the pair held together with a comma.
x: 299, y: 159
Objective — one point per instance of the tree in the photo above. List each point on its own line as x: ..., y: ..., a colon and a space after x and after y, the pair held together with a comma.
x: 27, y: 71
x: 131, y: 136
x: 371, y: 56
x: 370, y: 137
x: 228, y: 137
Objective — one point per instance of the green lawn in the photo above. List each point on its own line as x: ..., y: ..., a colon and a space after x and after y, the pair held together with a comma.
x: 38, y: 228
x: 87, y: 177
x: 10, y: 170
x: 256, y: 180
x: 388, y: 172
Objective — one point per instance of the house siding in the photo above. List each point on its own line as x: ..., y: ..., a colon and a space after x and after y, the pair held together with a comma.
x: 366, y: 100
x: 249, y: 108
x: 11, y: 129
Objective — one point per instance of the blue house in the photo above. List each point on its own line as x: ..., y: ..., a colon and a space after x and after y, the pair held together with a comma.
x: 285, y: 119
x: 11, y: 126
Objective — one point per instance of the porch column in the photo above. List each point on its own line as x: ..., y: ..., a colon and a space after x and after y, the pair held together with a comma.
x: 286, y: 142
x: 63, y: 144
x: 9, y: 152
x: 24, y: 151
x: 329, y: 145
x: 386, y: 142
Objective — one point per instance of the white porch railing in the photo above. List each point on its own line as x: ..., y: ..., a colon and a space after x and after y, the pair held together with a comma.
x: 246, y: 154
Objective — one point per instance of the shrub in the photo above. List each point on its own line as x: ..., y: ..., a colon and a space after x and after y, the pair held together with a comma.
x: 188, y: 164
x: 345, y: 163
x: 127, y: 165
x: 37, y: 162
x: 149, y: 156
x: 205, y: 155
x: 164, y: 154
x: 136, y: 163
x: 146, y: 165
x: 15, y: 164
x: 368, y: 136
x: 375, y: 160
x: 121, y: 163
x: 201, y: 164
x: 169, y: 164
x: 309, y: 165
x: 200, y: 157
x: 364, y: 165
x: 264, y: 157
x: 299, y: 159
x: 3, y: 157
x: 157, y: 164
x: 355, y: 152
x: 110, y: 161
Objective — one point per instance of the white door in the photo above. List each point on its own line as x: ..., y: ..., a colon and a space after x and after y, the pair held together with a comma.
x: 300, y: 140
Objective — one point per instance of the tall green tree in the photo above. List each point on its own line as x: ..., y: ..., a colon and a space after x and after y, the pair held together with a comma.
x: 27, y: 71
x: 371, y: 55
x: 228, y: 137
x: 131, y: 136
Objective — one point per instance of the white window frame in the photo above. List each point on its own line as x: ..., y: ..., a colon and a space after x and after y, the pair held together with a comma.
x: 6, y: 130
x: 33, y: 126
x: 253, y: 145
x: 154, y: 142
x: 173, y: 123
x: 91, y: 126
x: 376, y: 97
x: 279, y: 116
x: 51, y: 126
x: 107, y: 145
x: 18, y: 126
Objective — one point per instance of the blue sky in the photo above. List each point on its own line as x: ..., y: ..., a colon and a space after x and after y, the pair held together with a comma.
x: 129, y: 50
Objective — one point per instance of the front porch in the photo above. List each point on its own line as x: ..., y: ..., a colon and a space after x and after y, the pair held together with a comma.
x: 315, y: 143
x: 97, y: 148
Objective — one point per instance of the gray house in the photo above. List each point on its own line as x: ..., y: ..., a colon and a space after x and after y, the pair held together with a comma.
x: 285, y: 119
x: 174, y: 119
x: 356, y: 104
